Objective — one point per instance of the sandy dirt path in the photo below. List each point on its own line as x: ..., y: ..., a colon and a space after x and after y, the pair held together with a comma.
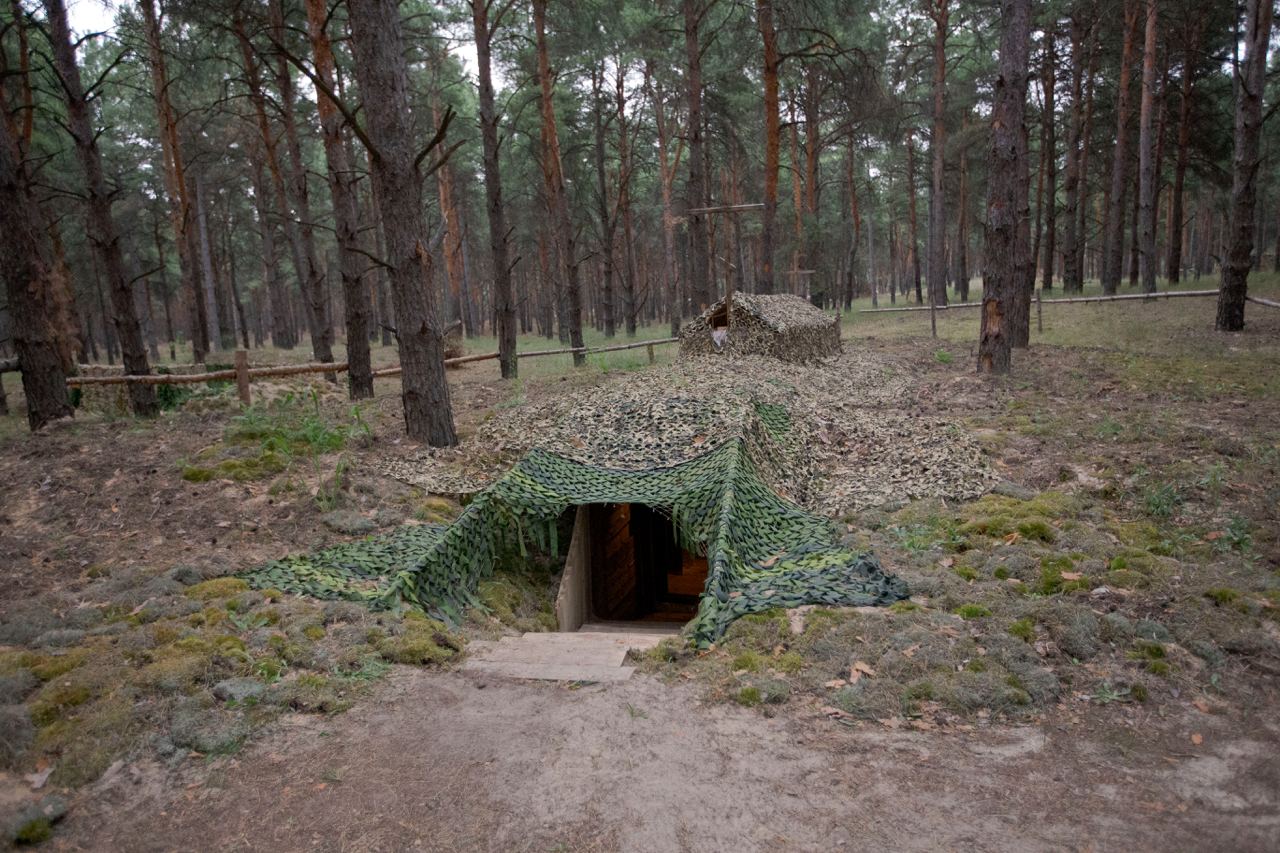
x: 446, y: 761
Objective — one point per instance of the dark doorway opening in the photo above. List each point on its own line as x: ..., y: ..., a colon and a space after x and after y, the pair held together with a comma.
x: 639, y: 572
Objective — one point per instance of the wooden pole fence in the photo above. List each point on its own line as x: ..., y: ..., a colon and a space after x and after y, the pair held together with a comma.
x: 1168, y: 294
x: 243, y: 374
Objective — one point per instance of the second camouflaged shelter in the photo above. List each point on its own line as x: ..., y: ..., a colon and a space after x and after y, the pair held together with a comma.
x: 780, y: 325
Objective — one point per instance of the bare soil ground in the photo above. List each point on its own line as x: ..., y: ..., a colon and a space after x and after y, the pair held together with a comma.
x: 1151, y: 464
x: 441, y: 761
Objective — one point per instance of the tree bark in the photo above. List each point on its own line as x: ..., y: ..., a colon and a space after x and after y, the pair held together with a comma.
x: 855, y: 214
x: 221, y: 334
x: 311, y: 274
x: 607, y: 220
x: 1147, y: 156
x: 1082, y: 212
x: 1049, y: 141
x: 102, y: 233
x: 625, y: 171
x: 278, y: 303
x: 940, y: 14
x: 696, y: 188
x: 1072, y: 237
x: 175, y: 181
x: 668, y: 166
x: 557, y: 200
x: 911, y: 217
x: 503, y: 300
x: 382, y: 71
x: 1250, y: 82
x: 1114, y: 208
x: 1007, y: 191
x: 346, y: 212
x: 29, y: 277
x: 452, y: 216
x: 772, y: 143
x: 1190, y: 62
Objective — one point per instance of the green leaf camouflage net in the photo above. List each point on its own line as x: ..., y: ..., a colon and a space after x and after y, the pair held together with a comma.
x: 763, y: 551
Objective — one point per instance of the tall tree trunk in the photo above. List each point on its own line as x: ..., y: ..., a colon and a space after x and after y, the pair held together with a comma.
x: 281, y: 328
x: 270, y: 146
x: 1091, y: 74
x: 452, y: 216
x: 1250, y: 83
x: 346, y: 212
x: 1190, y: 61
x: 149, y: 327
x: 175, y: 181
x: 1146, y: 155
x: 872, y: 271
x: 625, y: 167
x: 311, y: 274
x: 557, y: 200
x: 101, y: 227
x: 1007, y: 192
x: 772, y: 142
x: 234, y: 286
x: 607, y: 220
x: 668, y: 166
x: 503, y: 299
x: 29, y: 277
x: 380, y: 67
x: 811, y: 246
x: 1133, y: 232
x: 798, y: 283
x: 1114, y: 208
x: 696, y: 189
x: 164, y: 288
x: 1049, y: 142
x: 914, y: 250
x: 208, y: 289
x: 940, y: 14
x: 962, y: 232
x: 856, y: 216
x: 1072, y: 237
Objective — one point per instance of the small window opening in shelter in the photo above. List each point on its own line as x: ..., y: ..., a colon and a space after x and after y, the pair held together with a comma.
x: 719, y: 322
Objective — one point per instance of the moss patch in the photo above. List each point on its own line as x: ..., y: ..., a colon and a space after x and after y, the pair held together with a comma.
x: 217, y: 588
x: 422, y: 641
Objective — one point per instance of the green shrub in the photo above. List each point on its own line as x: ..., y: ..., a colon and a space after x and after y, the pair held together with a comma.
x: 972, y: 611
x: 1023, y: 629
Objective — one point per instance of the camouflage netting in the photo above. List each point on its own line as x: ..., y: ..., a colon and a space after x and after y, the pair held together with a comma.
x: 780, y: 325
x: 855, y: 442
x: 751, y: 458
x: 762, y: 550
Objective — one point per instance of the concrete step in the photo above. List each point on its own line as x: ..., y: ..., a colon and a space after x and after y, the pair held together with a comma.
x: 550, y: 672
x: 559, y: 656
x: 660, y: 629
x: 584, y: 639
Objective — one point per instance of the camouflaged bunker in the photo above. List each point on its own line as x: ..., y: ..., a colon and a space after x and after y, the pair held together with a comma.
x: 780, y: 325
x: 702, y: 541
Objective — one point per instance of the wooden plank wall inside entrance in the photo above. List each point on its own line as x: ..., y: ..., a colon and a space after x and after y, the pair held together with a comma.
x: 638, y: 570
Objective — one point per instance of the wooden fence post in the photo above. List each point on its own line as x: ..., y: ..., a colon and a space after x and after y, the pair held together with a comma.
x: 242, y: 376
x: 650, y: 349
x: 1039, y: 315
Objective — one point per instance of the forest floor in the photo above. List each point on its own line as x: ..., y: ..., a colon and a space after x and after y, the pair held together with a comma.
x: 1089, y: 659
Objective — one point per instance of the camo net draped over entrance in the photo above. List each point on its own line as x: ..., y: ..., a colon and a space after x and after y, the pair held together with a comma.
x: 763, y: 551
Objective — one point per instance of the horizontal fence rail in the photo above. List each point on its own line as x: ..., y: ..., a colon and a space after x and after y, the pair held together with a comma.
x: 1120, y: 297
x: 243, y: 374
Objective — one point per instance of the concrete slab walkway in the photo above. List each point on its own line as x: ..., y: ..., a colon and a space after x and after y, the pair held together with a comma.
x: 585, y: 655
